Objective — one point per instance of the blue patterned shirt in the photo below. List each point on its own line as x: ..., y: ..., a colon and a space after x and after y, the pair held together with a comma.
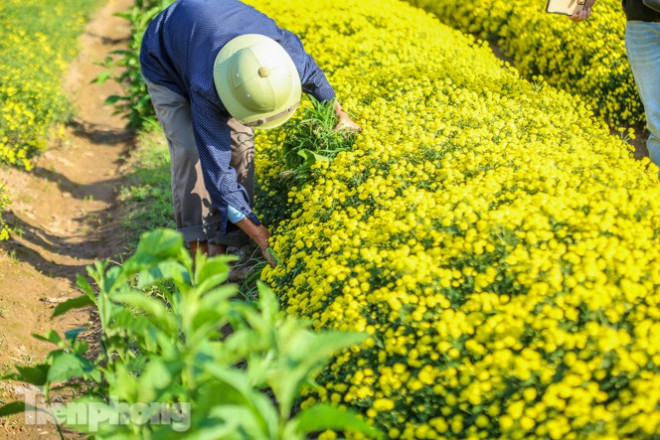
x: 178, y: 51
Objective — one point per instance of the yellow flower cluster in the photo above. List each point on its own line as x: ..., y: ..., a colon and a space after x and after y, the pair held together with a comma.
x: 500, y: 246
x: 587, y: 58
x: 36, y: 39
x: 4, y: 202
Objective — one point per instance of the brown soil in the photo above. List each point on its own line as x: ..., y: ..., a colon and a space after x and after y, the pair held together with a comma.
x: 63, y: 214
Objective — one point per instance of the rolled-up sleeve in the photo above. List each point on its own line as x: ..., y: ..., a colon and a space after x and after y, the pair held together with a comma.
x: 213, y: 139
x: 312, y: 77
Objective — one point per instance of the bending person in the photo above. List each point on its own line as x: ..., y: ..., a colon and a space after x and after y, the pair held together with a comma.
x: 215, y: 70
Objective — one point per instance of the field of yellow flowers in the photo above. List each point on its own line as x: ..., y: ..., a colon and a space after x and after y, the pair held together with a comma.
x: 4, y: 202
x: 500, y: 246
x: 37, y: 38
x: 587, y: 58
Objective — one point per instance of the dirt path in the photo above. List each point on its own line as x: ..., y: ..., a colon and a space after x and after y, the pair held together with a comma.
x: 64, y: 209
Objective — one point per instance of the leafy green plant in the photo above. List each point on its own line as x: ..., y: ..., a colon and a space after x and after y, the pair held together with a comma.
x: 240, y: 368
x: 309, y: 144
x: 313, y: 139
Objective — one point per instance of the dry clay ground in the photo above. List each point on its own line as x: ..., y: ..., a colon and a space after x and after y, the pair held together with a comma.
x: 64, y: 209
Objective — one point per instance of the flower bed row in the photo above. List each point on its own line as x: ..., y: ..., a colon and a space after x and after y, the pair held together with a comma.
x: 587, y: 58
x: 37, y: 37
x: 4, y: 202
x: 500, y: 246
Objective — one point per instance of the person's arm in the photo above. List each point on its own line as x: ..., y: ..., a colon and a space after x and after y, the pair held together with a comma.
x: 258, y: 233
x: 312, y: 77
x: 584, y: 13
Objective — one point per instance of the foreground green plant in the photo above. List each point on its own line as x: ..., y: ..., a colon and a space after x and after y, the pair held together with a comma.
x: 233, y: 369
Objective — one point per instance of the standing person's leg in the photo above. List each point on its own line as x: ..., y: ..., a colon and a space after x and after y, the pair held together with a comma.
x: 195, y: 215
x: 242, y: 160
x: 643, y: 46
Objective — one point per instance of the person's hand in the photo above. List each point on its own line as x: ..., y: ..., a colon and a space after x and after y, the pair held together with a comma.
x: 270, y: 256
x: 584, y: 13
x: 345, y: 121
x: 260, y: 235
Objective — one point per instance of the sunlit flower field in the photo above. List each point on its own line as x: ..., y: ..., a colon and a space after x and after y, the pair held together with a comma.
x: 587, y: 58
x: 498, y: 243
x: 4, y: 202
x: 37, y: 38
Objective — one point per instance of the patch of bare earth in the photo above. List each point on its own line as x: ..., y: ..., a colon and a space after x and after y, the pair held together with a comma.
x: 63, y: 212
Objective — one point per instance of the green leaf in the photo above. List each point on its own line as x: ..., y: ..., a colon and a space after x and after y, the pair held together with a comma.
x: 242, y: 420
x: 156, y: 247
x: 156, y: 378
x: 12, y: 408
x: 311, y: 158
x: 306, y: 352
x: 36, y: 375
x: 72, y: 335
x: 214, y: 429
x: 112, y: 99
x: 101, y: 419
x: 317, y: 347
x: 103, y: 77
x: 17, y: 408
x: 121, y: 51
x: 218, y: 297
x: 161, y: 243
x: 238, y: 346
x: 153, y: 308
x: 73, y: 303
x: 67, y: 366
x: 213, y: 307
x: 230, y: 391
x: 323, y: 416
x: 167, y: 270
x: 268, y: 304
x: 84, y: 285
x: 51, y: 337
x: 213, y: 272
x: 252, y: 316
x: 123, y: 384
x: 138, y: 325
x: 80, y: 347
